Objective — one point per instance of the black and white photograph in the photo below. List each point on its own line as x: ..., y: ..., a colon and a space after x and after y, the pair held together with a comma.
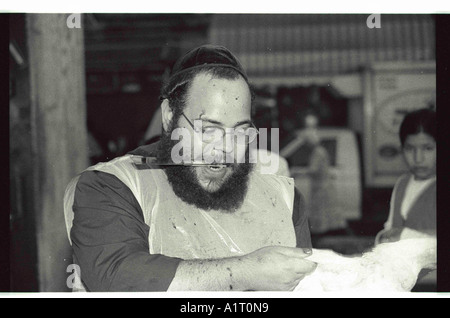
x: 224, y: 154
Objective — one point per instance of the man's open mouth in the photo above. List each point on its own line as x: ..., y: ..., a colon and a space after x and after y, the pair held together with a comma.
x: 217, y: 167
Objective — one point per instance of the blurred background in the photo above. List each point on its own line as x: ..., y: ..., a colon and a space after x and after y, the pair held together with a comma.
x: 84, y: 89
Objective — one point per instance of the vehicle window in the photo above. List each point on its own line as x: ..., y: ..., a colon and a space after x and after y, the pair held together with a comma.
x: 300, y: 158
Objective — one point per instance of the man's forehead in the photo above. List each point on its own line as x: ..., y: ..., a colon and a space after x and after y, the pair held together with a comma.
x: 207, y: 91
x: 207, y: 80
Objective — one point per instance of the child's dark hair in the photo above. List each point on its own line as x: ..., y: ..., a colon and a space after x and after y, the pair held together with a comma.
x: 422, y: 120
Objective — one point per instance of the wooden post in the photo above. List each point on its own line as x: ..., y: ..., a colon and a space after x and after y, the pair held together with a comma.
x: 59, y: 135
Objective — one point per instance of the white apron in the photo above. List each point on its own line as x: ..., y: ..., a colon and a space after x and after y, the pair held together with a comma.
x: 178, y: 229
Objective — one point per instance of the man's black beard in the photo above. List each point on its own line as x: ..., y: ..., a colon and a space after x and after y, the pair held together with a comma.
x: 186, y: 186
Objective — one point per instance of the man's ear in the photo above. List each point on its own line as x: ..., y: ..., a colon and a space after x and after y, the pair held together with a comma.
x: 167, y: 114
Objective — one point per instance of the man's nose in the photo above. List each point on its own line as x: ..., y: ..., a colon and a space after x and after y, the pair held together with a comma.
x: 227, y: 143
x: 223, y: 148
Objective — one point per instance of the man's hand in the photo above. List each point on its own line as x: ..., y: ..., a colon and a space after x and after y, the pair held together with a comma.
x: 273, y: 268
x: 277, y: 268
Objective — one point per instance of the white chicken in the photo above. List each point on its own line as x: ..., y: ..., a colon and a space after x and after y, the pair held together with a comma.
x: 388, y: 267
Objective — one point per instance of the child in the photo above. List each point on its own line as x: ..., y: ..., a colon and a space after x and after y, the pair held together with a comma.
x: 413, y: 200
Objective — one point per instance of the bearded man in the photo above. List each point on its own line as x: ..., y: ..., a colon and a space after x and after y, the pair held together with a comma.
x: 210, y: 226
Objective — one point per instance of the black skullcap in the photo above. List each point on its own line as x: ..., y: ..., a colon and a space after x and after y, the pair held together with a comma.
x: 208, y: 54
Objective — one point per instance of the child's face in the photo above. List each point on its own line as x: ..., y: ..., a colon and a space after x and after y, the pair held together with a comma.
x: 419, y: 152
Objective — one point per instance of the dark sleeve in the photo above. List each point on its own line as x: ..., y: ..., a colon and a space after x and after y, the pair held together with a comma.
x: 300, y: 220
x: 110, y: 239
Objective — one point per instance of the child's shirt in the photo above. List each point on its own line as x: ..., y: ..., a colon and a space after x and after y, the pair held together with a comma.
x: 408, y: 197
x: 414, y: 189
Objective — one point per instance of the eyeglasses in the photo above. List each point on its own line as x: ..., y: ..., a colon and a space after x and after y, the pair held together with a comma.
x: 242, y: 136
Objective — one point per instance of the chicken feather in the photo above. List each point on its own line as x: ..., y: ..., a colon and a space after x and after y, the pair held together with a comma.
x: 388, y: 267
